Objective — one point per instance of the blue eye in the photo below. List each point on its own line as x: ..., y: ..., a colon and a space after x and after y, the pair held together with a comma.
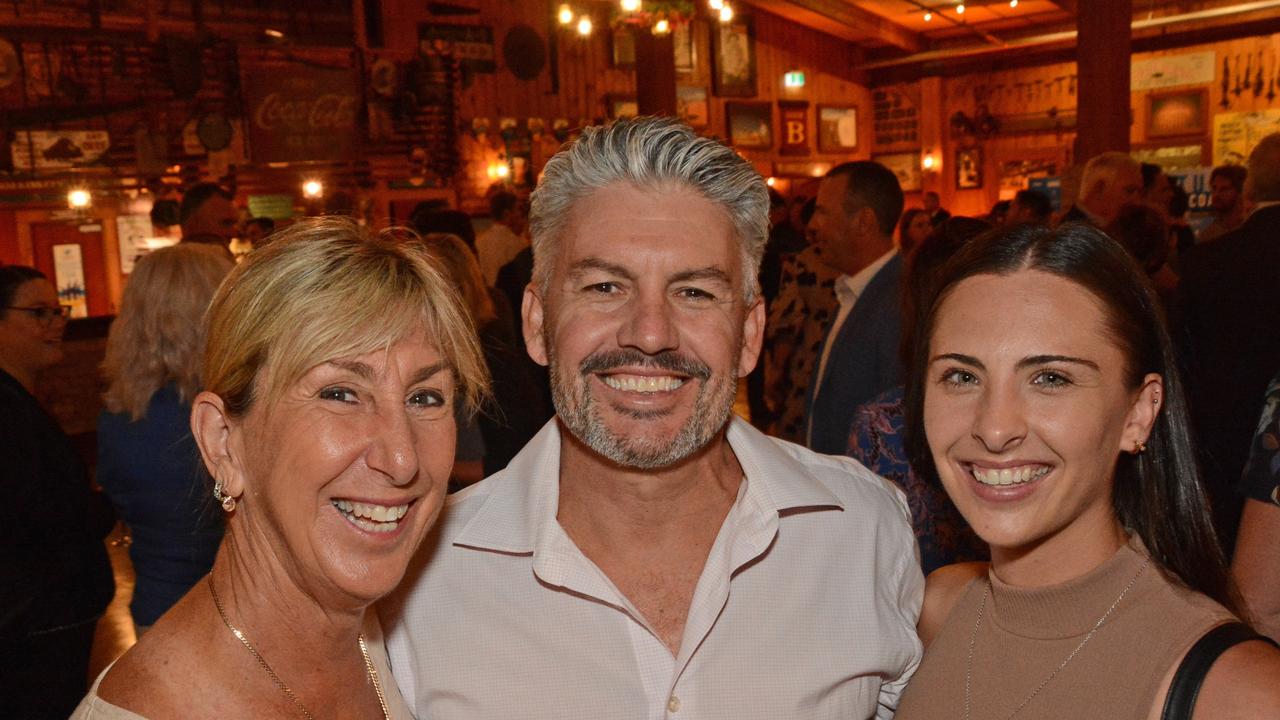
x: 339, y: 394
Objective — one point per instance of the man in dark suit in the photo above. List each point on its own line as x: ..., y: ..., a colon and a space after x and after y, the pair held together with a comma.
x: 1229, y: 303
x: 858, y: 205
x: 1109, y: 182
x: 933, y: 206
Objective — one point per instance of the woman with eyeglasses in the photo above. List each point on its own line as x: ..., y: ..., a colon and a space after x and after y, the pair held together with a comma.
x: 55, y: 579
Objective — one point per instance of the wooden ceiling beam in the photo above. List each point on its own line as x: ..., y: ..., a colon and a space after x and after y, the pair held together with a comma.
x: 1066, y: 5
x: 844, y: 20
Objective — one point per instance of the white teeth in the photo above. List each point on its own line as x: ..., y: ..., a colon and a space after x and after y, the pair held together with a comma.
x: 1009, y: 476
x: 373, y: 518
x: 642, y: 383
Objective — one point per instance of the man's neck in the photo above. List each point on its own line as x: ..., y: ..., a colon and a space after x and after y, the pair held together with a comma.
x: 612, y: 506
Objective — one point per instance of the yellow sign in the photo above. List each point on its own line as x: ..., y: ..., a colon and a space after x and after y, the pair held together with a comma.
x: 1235, y: 134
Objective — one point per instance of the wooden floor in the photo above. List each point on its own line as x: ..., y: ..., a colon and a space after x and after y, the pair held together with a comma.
x: 115, y: 632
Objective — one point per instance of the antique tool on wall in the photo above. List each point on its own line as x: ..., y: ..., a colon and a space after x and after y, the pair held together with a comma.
x: 1225, y: 102
x: 1241, y: 76
x: 1257, y: 79
x: 1271, y: 82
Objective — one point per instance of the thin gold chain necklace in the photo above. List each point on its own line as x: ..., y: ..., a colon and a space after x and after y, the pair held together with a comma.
x: 973, y: 640
x: 364, y: 652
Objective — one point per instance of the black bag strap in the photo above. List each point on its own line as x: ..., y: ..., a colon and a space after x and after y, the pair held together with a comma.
x: 1184, y: 690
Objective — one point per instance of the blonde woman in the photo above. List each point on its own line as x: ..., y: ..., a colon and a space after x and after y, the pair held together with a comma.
x: 333, y: 365
x: 147, y: 460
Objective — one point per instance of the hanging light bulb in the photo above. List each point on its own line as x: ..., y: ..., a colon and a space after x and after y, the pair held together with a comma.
x: 960, y: 9
x: 79, y: 198
x: 726, y: 13
x: 312, y: 189
x: 584, y: 25
x: 565, y: 14
x: 715, y: 4
x: 1013, y: 3
x: 928, y: 16
x: 630, y: 5
x: 662, y: 27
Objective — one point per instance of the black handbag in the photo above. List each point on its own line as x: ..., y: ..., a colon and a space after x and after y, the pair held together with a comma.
x: 1184, y: 690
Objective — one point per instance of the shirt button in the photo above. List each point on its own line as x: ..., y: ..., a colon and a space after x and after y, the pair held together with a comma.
x: 673, y: 705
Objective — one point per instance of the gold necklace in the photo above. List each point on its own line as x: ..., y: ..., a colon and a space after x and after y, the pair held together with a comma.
x: 973, y: 639
x: 364, y: 652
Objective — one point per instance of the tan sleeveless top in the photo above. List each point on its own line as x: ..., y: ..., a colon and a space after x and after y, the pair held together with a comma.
x: 1026, y: 633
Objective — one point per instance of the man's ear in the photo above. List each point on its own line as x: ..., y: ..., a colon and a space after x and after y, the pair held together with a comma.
x: 752, y: 337
x: 218, y: 437
x: 1143, y: 413
x: 531, y: 313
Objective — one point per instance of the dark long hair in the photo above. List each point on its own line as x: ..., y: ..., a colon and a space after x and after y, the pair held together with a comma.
x: 1157, y: 494
x: 11, y: 278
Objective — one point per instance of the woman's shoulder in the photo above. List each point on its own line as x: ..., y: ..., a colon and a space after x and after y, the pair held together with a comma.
x: 942, y: 591
x: 1240, y: 684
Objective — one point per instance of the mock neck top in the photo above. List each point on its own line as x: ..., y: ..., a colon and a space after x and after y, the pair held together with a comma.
x: 1026, y: 633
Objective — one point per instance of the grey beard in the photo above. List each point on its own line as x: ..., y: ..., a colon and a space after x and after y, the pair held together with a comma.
x: 711, y: 410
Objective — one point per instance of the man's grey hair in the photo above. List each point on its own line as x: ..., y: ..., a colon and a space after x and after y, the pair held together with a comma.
x: 650, y: 153
x: 1103, y: 168
x: 1263, y: 181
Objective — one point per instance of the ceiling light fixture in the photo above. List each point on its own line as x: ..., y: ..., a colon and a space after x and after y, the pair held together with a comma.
x: 960, y: 9
x: 928, y: 16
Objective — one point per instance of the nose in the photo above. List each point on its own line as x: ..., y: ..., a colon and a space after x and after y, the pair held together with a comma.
x: 392, y: 450
x: 1000, y: 423
x: 649, y: 326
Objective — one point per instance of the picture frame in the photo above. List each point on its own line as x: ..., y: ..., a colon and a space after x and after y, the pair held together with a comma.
x: 622, y: 49
x: 734, y: 54
x: 837, y: 128
x: 622, y: 106
x: 693, y: 105
x: 684, y: 47
x: 750, y: 124
x: 969, y: 168
x: 906, y: 165
x: 1178, y: 113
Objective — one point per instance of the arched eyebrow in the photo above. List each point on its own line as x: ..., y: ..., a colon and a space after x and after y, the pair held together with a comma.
x: 1023, y: 364
x: 590, y: 263
x: 427, y: 372
x: 364, y: 372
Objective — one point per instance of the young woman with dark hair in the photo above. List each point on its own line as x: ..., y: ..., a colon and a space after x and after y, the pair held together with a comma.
x: 1043, y: 395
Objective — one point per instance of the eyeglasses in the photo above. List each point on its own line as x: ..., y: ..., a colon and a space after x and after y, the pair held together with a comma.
x: 43, y: 313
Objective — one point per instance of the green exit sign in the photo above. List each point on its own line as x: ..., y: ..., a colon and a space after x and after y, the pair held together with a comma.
x: 793, y: 79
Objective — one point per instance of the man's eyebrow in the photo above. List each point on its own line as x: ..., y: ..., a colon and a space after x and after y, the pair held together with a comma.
x: 590, y: 263
x: 1044, y: 359
x: 710, y: 272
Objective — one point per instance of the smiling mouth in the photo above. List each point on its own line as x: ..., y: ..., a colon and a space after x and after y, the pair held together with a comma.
x: 370, y: 517
x: 1009, y: 476
x: 643, y: 383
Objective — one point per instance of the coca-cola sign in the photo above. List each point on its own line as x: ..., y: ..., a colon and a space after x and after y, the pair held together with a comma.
x: 301, y: 113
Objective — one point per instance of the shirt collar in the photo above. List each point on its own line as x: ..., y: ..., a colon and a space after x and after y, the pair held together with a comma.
x: 1263, y: 205
x: 852, y: 286
x: 518, y: 514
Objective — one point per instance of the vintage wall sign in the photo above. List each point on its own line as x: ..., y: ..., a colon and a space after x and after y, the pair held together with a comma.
x: 299, y: 113
x: 56, y: 149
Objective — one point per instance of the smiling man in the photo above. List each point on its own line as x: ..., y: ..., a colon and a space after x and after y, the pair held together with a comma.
x: 648, y: 555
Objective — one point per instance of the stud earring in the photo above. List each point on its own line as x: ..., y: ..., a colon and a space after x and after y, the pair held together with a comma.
x: 228, y: 503
x: 1139, y: 447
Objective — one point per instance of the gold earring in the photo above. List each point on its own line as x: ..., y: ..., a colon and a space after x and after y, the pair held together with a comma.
x: 1139, y: 447
x: 228, y: 502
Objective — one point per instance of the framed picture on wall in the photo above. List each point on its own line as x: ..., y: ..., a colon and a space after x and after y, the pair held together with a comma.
x: 1181, y: 112
x: 906, y: 165
x: 682, y: 40
x: 692, y: 106
x: 623, y: 49
x: 734, y: 52
x: 750, y: 124
x: 969, y: 168
x: 837, y: 129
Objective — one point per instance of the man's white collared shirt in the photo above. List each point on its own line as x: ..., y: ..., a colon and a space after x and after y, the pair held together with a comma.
x: 806, y: 607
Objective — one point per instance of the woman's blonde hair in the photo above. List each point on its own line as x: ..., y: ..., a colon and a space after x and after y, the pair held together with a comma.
x: 464, y: 269
x: 158, y: 337
x: 325, y: 289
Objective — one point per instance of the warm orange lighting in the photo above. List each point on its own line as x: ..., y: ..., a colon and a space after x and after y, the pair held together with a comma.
x: 726, y: 13
x: 662, y: 27
x: 565, y: 14
x: 584, y: 26
x: 715, y: 4
x: 630, y: 5
x: 1013, y: 3
x: 928, y: 16
x: 960, y: 9
x: 79, y: 198
x: 312, y: 189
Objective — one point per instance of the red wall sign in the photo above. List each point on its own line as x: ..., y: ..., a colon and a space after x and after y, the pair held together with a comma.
x: 298, y: 113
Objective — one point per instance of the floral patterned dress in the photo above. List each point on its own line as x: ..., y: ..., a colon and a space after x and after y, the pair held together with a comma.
x: 877, y: 441
x: 1261, y: 479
